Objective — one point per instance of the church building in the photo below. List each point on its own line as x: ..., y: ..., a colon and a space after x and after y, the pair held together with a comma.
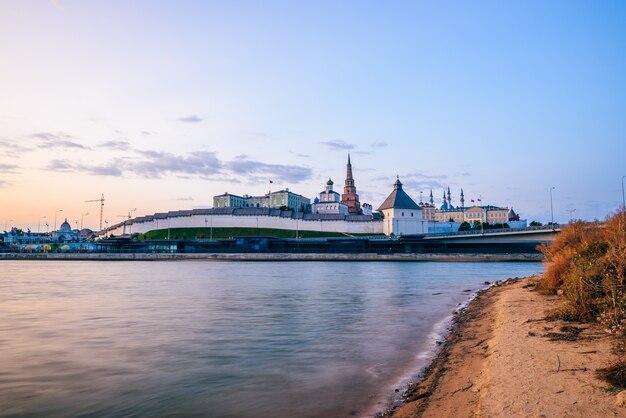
x: 329, y: 201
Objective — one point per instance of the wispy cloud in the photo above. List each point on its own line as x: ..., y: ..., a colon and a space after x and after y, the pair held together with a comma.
x: 116, y: 145
x: 286, y: 173
x: 63, y: 166
x: 157, y: 164
x: 417, y: 180
x: 297, y: 154
x: 202, y: 164
x: 337, y: 145
x: 12, y: 148
x: 57, y: 140
x: 184, y: 199
x: 191, y: 119
x: 8, y: 168
x: 379, y: 144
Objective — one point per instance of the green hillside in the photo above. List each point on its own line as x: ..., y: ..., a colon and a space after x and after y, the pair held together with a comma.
x: 223, y: 233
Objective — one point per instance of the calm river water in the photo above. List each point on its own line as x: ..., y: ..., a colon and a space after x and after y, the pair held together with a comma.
x: 220, y: 339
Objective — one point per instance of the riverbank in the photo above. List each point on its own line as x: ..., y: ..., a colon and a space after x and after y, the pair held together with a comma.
x: 271, y: 257
x: 504, y: 358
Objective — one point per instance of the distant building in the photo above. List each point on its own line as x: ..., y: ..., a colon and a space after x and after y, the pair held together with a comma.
x: 447, y: 212
x: 367, y: 209
x: 350, y: 198
x: 278, y: 199
x: 401, y: 215
x: 66, y: 234
x: 329, y: 201
x: 428, y: 208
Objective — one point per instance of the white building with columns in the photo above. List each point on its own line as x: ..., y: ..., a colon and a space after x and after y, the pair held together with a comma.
x: 401, y: 215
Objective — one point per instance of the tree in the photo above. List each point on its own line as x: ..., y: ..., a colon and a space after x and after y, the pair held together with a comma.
x: 536, y: 223
x: 465, y: 226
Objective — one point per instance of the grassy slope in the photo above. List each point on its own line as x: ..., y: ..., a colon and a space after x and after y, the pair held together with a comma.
x: 221, y: 233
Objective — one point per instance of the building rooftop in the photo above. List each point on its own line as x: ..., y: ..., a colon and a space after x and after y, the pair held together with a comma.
x: 398, y: 199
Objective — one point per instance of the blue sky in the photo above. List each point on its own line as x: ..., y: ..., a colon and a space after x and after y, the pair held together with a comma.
x: 160, y: 105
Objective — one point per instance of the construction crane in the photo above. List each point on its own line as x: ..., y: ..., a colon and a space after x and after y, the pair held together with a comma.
x: 130, y: 215
x: 101, y: 200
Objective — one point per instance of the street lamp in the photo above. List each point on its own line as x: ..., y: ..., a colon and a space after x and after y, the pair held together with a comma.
x: 6, y: 223
x: 81, y: 219
x: 39, y: 222
x: 623, y: 199
x: 570, y: 214
x: 55, y: 218
x: 551, y: 209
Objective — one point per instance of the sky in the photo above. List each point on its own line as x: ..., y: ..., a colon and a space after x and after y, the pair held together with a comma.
x: 160, y: 105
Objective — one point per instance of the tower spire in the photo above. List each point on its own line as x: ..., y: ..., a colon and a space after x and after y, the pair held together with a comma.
x: 349, y: 197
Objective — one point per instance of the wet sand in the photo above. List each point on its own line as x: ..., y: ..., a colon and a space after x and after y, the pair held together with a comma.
x: 502, y: 358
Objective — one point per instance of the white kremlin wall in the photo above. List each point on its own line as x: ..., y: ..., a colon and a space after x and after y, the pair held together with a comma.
x: 247, y: 221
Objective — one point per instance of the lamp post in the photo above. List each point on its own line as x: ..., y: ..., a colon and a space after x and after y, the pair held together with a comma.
x: 623, y: 199
x: 570, y: 214
x: 211, y: 233
x: 6, y: 223
x: 551, y: 209
x: 81, y: 219
x: 39, y: 223
x: 55, y: 218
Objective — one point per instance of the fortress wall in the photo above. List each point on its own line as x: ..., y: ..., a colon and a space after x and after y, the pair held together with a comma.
x: 261, y: 221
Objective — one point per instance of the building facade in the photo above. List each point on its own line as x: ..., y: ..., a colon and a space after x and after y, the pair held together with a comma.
x: 401, y: 215
x: 447, y: 212
x: 279, y: 199
x: 328, y: 201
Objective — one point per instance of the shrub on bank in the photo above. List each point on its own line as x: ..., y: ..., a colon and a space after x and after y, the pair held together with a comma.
x: 587, y: 265
x: 587, y: 262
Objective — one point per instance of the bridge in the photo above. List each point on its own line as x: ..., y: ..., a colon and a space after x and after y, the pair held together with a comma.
x: 532, y: 234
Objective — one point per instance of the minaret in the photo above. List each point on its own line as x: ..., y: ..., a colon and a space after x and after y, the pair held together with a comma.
x: 449, y: 199
x: 349, y: 197
x: 445, y: 202
x: 432, y: 201
x: 462, y: 199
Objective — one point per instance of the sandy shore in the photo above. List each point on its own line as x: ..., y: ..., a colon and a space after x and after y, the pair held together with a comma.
x: 504, y: 359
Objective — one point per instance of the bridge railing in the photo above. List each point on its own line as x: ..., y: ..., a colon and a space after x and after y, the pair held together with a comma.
x: 477, y: 231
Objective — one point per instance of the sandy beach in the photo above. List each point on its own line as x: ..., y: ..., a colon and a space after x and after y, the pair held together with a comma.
x: 503, y: 358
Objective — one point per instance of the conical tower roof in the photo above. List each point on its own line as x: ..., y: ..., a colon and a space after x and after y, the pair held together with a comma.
x: 398, y: 199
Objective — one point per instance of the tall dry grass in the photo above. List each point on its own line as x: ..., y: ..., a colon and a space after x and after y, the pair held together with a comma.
x: 587, y: 262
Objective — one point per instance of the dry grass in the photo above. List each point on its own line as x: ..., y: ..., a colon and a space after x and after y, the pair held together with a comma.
x: 587, y: 263
x: 615, y: 374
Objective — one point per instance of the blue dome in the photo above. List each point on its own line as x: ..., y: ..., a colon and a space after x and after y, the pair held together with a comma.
x: 316, y: 200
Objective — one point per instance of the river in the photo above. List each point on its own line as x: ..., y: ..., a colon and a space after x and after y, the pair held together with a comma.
x: 223, y: 339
